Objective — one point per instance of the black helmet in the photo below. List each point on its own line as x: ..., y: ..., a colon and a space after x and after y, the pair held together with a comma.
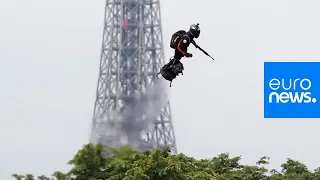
x: 195, y: 30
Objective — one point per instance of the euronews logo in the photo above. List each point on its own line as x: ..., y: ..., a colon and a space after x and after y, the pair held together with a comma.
x: 291, y: 91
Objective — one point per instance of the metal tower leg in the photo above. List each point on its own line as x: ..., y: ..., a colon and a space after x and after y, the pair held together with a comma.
x: 131, y: 107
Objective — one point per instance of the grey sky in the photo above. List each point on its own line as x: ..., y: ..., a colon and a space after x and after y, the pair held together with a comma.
x: 49, y: 58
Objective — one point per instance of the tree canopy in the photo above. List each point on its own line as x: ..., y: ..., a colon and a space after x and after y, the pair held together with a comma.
x: 96, y: 162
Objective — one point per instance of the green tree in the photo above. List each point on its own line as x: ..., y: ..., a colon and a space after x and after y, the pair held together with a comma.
x: 96, y: 162
x: 60, y: 176
x: 18, y: 176
x: 89, y: 162
x: 293, y: 170
x: 43, y: 177
x: 29, y: 177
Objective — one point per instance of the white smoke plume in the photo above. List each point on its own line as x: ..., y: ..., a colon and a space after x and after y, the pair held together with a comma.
x: 136, y: 119
x: 149, y: 106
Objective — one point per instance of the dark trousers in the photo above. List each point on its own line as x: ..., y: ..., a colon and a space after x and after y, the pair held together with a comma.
x: 177, y: 57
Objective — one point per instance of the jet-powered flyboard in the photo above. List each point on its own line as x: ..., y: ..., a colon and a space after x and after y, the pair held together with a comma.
x: 172, y: 69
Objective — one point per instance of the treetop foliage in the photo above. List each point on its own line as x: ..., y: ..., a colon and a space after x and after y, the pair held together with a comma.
x: 96, y: 162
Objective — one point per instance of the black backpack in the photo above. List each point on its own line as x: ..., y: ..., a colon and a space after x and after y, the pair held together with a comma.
x: 176, y: 38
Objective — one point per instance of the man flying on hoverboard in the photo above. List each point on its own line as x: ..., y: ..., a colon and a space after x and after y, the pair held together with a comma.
x: 180, y: 41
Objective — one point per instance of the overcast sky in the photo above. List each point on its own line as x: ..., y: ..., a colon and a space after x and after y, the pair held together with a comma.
x: 49, y: 58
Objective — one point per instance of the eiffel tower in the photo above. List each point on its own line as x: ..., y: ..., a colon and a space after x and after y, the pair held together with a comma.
x: 131, y: 106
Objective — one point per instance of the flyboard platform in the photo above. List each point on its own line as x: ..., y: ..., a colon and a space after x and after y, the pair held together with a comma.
x: 170, y: 72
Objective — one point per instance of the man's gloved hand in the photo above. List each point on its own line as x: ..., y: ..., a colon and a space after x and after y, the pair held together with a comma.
x: 188, y: 55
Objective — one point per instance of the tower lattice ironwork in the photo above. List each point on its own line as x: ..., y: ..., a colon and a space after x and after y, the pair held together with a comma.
x: 130, y: 106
